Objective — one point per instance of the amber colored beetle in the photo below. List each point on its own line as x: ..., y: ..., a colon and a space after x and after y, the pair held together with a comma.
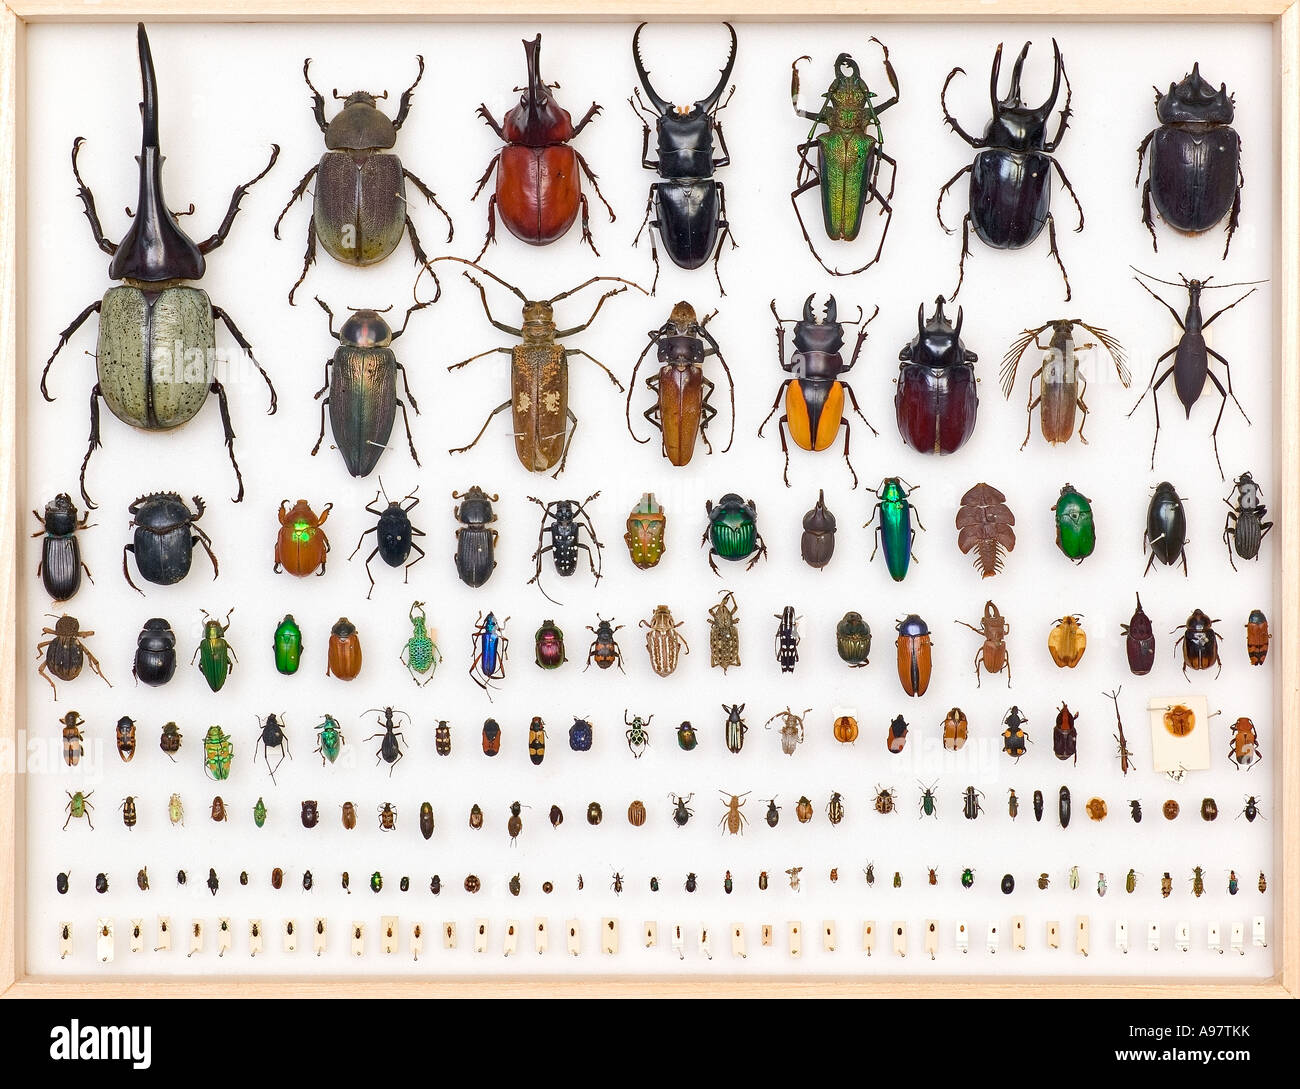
x: 1244, y: 750
x: 804, y: 810
x: 636, y: 814
x: 219, y: 809
x: 344, y: 659
x: 845, y: 729
x: 1180, y: 720
x: 646, y: 525
x: 913, y: 655
x: 955, y: 728
x: 1257, y: 636
x: 993, y: 652
x: 349, y: 815
x: 1066, y: 642
x: 301, y: 545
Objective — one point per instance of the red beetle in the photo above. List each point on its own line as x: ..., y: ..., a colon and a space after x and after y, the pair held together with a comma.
x: 539, y: 189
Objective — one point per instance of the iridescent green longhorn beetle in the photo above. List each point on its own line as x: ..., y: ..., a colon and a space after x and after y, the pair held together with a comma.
x: 156, y: 354
x: 849, y: 154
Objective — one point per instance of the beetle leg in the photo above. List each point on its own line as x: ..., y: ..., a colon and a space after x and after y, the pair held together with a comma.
x: 500, y: 408
x: 853, y: 400
x: 573, y: 427
x: 491, y: 121
x: 1073, y: 196
x: 88, y: 202
x: 93, y: 442
x: 405, y: 106
x: 852, y: 471
x: 224, y: 405
x: 591, y: 177
x: 217, y: 312
x: 775, y: 404
x: 211, y: 243
x: 1146, y: 215
x: 422, y: 258
x: 951, y: 121
x: 1083, y: 419
x: 1228, y: 371
x: 1214, y: 434
x: 707, y: 413
x: 77, y: 323
x: 1229, y: 529
x: 321, y: 438
x: 653, y: 225
x: 760, y: 553
x: 94, y: 662
x: 296, y: 195
x: 491, y: 235
x: 722, y: 143
x: 1033, y: 403
x: 406, y: 420
x: 652, y: 382
x: 586, y: 223
x: 309, y: 258
x: 432, y: 198
x: 125, y: 549
x: 579, y: 351
x: 938, y: 204
x: 1052, y: 250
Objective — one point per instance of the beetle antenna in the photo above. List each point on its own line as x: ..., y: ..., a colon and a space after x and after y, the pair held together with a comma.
x: 480, y: 268
x: 594, y: 280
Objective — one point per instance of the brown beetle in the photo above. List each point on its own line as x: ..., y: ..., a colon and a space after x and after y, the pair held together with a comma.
x: 475, y: 816
x: 733, y: 820
x: 170, y: 739
x: 426, y: 820
x: 301, y: 545
x: 472, y: 884
x: 442, y: 738
x: 387, y: 817
x: 845, y: 729
x: 277, y: 878
x: 491, y: 737
x: 1257, y: 637
x: 1209, y: 809
x: 636, y: 813
x: 310, y: 814
x: 1066, y: 642
x: 1096, y: 809
x: 349, y: 816
x: 803, y: 809
x: 913, y: 646
x: 1179, y: 720
x: 992, y: 655
x: 126, y: 738
x: 556, y: 816
x: 884, y: 803
x: 65, y: 653
x: 515, y: 825
x: 73, y: 738
x: 984, y: 524
x: 1244, y: 750
x: 663, y: 642
x: 954, y: 729
x: 1170, y: 809
x: 219, y: 809
x: 594, y: 814
x: 344, y: 659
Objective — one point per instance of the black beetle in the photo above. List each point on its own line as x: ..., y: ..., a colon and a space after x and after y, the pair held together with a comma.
x: 61, y: 884
x: 310, y: 814
x: 271, y: 734
x: 101, y: 882
x: 155, y: 653
x: 359, y: 201
x: 936, y: 401
x: 1200, y: 643
x: 1135, y: 810
x: 690, y: 207
x: 361, y: 380
x: 1166, y: 532
x: 786, y: 643
x: 65, y: 653
x: 164, y: 539
x: 1065, y: 735
x: 394, y: 534
x: 604, y: 649
x: 61, y: 563
x: 565, y: 520
x: 476, y: 542
x: 817, y: 544
x: 1038, y: 805
x: 1244, y: 528
x: 970, y: 804
x: 1195, y: 177
x: 1011, y: 176
x: 392, y: 739
x: 1063, y: 807
x: 214, y: 884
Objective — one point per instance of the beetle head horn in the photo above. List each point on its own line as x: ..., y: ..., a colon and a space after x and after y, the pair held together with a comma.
x: 1058, y: 68
x: 956, y: 329
x: 920, y: 317
x: 662, y: 105
x: 940, y: 318
x: 533, y: 55
x: 707, y: 104
x: 808, y: 310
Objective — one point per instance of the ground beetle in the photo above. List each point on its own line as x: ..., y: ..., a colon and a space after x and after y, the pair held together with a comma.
x: 936, y: 401
x: 391, y: 739
x: 156, y: 355
x: 61, y: 564
x: 565, y: 520
x: 689, y: 206
x: 394, y: 534
x: 1244, y: 528
x: 155, y: 653
x: 476, y: 542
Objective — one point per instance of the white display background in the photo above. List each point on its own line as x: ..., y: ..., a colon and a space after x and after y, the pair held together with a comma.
x: 227, y: 92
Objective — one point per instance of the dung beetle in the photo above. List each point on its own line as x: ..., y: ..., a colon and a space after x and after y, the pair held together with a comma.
x: 849, y: 154
x: 169, y: 739
x: 156, y: 327
x: 732, y: 532
x: 894, y: 533
x: 1076, y: 532
x: 476, y: 542
x: 1065, y: 735
x: 1200, y: 643
x: 301, y: 546
x: 394, y: 534
x: 544, y: 423
x: 61, y: 564
x: 580, y: 735
x: 490, y: 646
x: 286, y: 646
x: 689, y: 206
x: 936, y: 401
x: 817, y: 544
x: 1257, y: 637
x: 1166, y: 531
x: 1139, y: 641
x: 1011, y: 175
x: 155, y: 653
x: 815, y: 395
x: 565, y: 520
x: 646, y: 525
x: 359, y: 200
x: 361, y: 383
x: 913, y: 645
x: 1244, y: 528
x: 125, y: 731
x: 604, y: 649
x: 1061, y: 384
x: 164, y: 539
x: 853, y: 640
x: 539, y: 187
x: 271, y: 734
x: 391, y: 738
x: 65, y: 653
x: 985, y: 526
x: 215, y: 655
x: 1195, y: 175
x: 787, y: 639
x: 682, y: 408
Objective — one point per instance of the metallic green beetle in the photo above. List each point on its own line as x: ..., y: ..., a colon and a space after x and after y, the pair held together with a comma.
x: 732, y: 532
x: 156, y: 354
x: 259, y: 813
x: 421, y: 654
x: 1076, y: 535
x: 329, y: 739
x: 288, y: 646
x: 849, y: 154
x: 217, y: 753
x: 895, y: 532
x: 216, y: 656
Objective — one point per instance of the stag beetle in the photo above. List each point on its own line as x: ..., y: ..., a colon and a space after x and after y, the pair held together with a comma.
x: 936, y: 399
x: 394, y: 534
x: 814, y: 397
x: 539, y: 189
x: 359, y: 204
x: 1195, y: 176
x: 682, y: 409
x: 156, y: 354
x: 565, y: 520
x: 539, y: 373
x: 61, y: 564
x: 1011, y: 176
x: 690, y: 208
x: 849, y: 154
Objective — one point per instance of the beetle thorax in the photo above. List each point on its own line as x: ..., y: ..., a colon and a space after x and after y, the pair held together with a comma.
x: 360, y: 126
x: 366, y: 329
x: 539, y: 322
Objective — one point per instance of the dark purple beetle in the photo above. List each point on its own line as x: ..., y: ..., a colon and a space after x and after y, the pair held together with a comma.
x: 1139, y: 642
x: 936, y: 400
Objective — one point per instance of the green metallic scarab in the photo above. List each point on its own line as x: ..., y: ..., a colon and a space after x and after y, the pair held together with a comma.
x: 732, y: 532
x: 217, y: 753
x: 288, y: 646
x: 850, y: 150
x: 1076, y: 535
x: 329, y: 739
x: 895, y: 533
x: 420, y: 655
x: 216, y: 657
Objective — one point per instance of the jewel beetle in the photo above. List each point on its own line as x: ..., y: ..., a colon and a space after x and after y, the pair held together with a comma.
x: 216, y: 657
x: 913, y: 645
x: 894, y: 533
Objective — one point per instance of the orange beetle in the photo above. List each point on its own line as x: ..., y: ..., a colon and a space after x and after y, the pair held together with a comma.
x: 301, y: 545
x: 344, y: 658
x: 913, y: 645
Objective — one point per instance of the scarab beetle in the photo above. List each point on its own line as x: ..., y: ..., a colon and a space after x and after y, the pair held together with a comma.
x: 1076, y: 532
x: 1011, y: 176
x: 169, y: 739
x: 1200, y: 643
x: 1166, y: 530
x: 310, y: 813
x: 1065, y: 735
x: 156, y: 355
x: 61, y: 564
x: 394, y: 534
x: 913, y: 646
x: 663, y: 642
x: 1257, y: 637
x: 565, y: 520
x: 894, y: 533
x: 732, y: 532
x: 1195, y: 176
x: 817, y: 544
x: 853, y: 640
x: 1244, y: 528
x: 936, y: 401
x: 286, y: 646
x: 359, y: 199
x: 786, y: 642
x: 343, y: 657
x: 420, y: 654
x: 490, y: 645
x: 349, y: 816
x: 79, y: 806
x: 216, y: 657
x: 689, y: 205
x: 1139, y: 641
x: 476, y: 541
x: 724, y: 632
x: 155, y: 653
x: 815, y: 395
x: 849, y: 154
x: 65, y: 654
x: 604, y: 649
x: 538, y: 188
x: 164, y: 538
x: 301, y: 546
x: 645, y: 532
x: 580, y: 735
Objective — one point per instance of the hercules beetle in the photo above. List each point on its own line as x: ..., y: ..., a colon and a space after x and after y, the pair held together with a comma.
x: 1244, y: 528
x: 61, y: 564
x: 1195, y: 177
x: 156, y: 354
x: 849, y: 154
x: 682, y: 410
x: 564, y: 519
x: 690, y: 208
x: 164, y: 539
x: 361, y: 380
x: 359, y: 206
x: 475, y: 542
x: 814, y: 396
x: 539, y: 187
x: 1011, y: 177
x: 539, y: 373
x: 394, y: 534
x: 1191, y: 365
x: 936, y: 400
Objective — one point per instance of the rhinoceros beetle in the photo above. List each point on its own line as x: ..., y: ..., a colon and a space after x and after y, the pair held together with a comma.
x: 936, y: 399
x: 61, y: 564
x: 690, y: 207
x: 1195, y: 176
x: 394, y: 534
x: 1011, y: 176
x: 539, y: 187
x: 155, y: 326
x: 359, y: 207
x: 164, y: 539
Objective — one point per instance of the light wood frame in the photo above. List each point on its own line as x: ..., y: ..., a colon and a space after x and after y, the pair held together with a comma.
x: 1284, y: 15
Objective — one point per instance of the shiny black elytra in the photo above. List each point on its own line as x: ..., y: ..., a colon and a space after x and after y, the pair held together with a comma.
x: 690, y: 207
x: 392, y: 740
x: 165, y: 533
x: 786, y: 642
x: 1011, y: 176
x: 1166, y: 530
x: 155, y: 653
x: 564, y: 520
x: 394, y: 534
x: 61, y: 564
x: 271, y: 735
